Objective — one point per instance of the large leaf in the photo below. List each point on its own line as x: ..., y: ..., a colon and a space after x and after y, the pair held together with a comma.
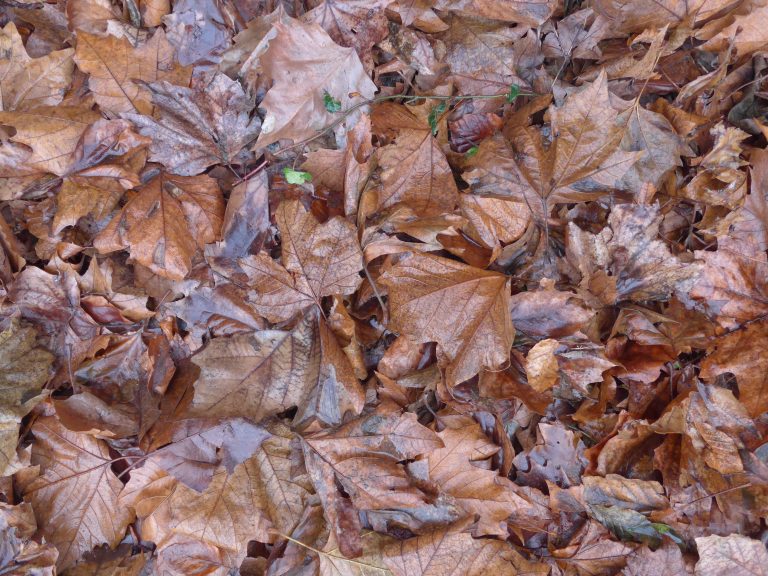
x: 75, y: 497
x: 318, y: 260
x: 26, y: 82
x: 735, y: 554
x: 114, y: 65
x: 464, y: 309
x: 199, y: 126
x: 304, y: 56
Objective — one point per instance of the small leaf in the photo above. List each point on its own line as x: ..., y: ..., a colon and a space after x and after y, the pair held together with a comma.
x: 514, y: 92
x: 434, y: 116
x: 331, y: 104
x: 296, y: 176
x: 471, y: 152
x: 627, y: 524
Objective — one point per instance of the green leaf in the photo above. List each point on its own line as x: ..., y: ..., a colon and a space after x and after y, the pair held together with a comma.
x: 296, y: 176
x: 670, y: 533
x: 331, y: 104
x: 472, y: 151
x: 514, y: 92
x: 627, y: 524
x: 434, y: 116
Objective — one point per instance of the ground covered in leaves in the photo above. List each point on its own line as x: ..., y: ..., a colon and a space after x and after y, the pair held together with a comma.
x: 383, y: 287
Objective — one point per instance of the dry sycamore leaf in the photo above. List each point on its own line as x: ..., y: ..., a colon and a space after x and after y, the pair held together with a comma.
x: 741, y: 354
x: 446, y: 553
x: 735, y: 555
x: 583, y: 161
x: 198, y: 30
x: 464, y: 309
x: 666, y: 561
x: 548, y: 313
x: 165, y: 223
x: 27, y: 83
x: 304, y: 56
x: 415, y: 171
x: 35, y: 127
x: 615, y: 490
x: 318, y: 260
x: 645, y: 14
x: 358, y: 24
x: 114, y: 64
x: 199, y: 126
x: 494, y: 221
x: 24, y: 369
x: 744, y: 32
x: 734, y: 283
x: 75, y: 497
x: 197, y: 447
x: 458, y: 469
x: 264, y: 373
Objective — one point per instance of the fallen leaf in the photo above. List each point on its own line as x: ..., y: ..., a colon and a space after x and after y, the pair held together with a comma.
x: 424, y: 291
x: 75, y: 497
x: 31, y: 82
x: 199, y: 126
x: 452, y: 553
x: 114, y: 65
x: 24, y: 367
x: 318, y: 260
x: 304, y: 55
x: 166, y: 222
x: 734, y: 554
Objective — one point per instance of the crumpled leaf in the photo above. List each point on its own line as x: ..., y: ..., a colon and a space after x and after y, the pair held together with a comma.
x: 114, y: 65
x: 31, y: 82
x: 460, y: 470
x: 20, y: 555
x: 303, y: 54
x: 544, y: 462
x: 198, y: 30
x: 75, y: 497
x: 641, y: 266
x: 318, y: 260
x: 24, y: 367
x: 199, y: 126
x: 425, y: 290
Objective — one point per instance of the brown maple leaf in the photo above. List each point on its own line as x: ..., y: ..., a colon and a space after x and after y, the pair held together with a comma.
x: 425, y: 294
x: 199, y: 126
x: 318, y: 260
x: 166, y: 222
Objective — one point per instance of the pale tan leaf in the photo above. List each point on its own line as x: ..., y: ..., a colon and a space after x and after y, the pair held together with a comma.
x: 734, y: 555
x: 27, y: 83
x: 52, y: 133
x: 304, y: 54
x: 318, y: 260
x: 541, y: 365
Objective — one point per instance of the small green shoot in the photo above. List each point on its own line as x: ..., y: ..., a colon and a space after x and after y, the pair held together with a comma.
x: 434, y: 116
x: 471, y: 152
x: 514, y: 92
x: 296, y: 176
x: 331, y: 104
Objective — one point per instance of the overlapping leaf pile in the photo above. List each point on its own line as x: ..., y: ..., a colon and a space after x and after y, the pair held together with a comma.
x: 384, y: 287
